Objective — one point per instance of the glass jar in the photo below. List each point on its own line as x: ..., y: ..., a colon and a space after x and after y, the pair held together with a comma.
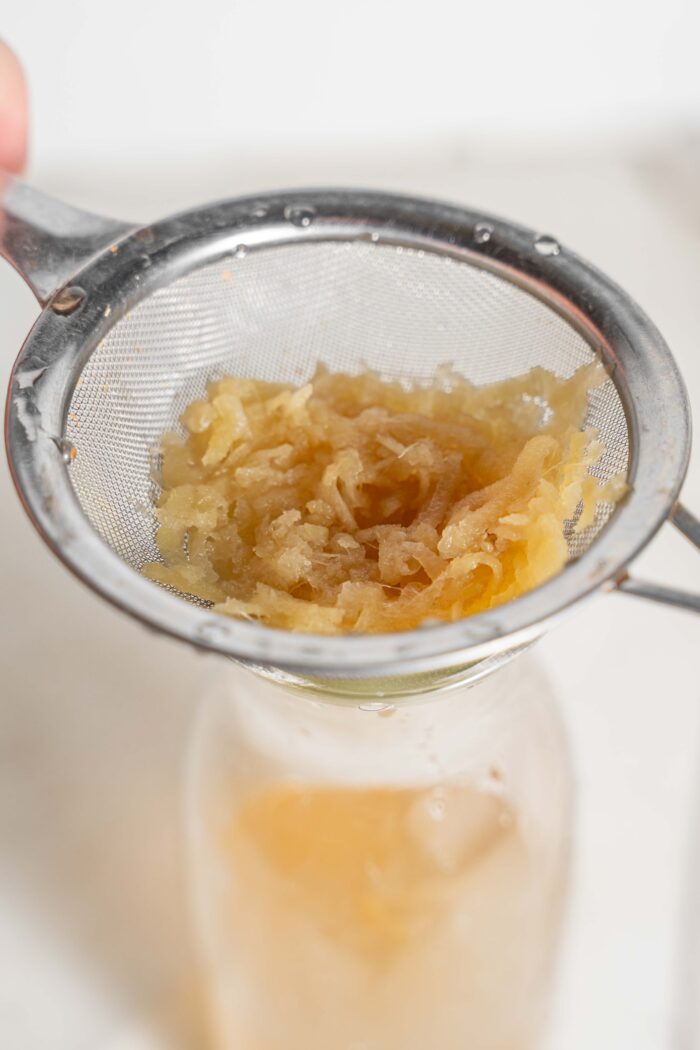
x: 377, y: 876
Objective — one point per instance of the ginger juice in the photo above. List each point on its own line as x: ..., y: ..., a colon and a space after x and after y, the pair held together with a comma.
x: 378, y: 879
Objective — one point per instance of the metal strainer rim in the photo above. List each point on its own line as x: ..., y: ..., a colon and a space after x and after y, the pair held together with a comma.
x: 650, y: 386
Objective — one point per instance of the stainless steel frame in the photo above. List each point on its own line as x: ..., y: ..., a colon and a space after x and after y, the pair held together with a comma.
x: 89, y: 272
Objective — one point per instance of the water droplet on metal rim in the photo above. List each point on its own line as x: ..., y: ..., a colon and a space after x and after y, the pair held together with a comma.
x: 66, y: 448
x: 300, y: 214
x: 545, y: 244
x: 483, y: 232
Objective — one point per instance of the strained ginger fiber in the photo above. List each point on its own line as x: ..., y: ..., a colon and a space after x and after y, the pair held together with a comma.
x: 354, y: 504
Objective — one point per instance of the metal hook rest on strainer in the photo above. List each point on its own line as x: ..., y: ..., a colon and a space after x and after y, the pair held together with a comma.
x: 135, y: 321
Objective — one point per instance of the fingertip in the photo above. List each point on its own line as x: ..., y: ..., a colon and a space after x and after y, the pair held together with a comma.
x: 14, y: 112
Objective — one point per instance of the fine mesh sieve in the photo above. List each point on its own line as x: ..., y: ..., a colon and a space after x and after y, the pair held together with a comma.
x: 276, y: 314
x: 267, y: 287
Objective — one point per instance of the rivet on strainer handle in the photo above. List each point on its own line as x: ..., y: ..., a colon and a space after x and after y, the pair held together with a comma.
x: 137, y: 320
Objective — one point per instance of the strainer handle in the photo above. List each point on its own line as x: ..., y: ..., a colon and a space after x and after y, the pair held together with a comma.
x: 689, y: 526
x: 47, y: 241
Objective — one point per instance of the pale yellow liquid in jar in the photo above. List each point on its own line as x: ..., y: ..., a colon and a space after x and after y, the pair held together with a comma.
x: 376, y: 919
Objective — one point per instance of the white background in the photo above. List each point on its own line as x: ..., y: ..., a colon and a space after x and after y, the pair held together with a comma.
x: 187, y: 80
x: 578, y: 119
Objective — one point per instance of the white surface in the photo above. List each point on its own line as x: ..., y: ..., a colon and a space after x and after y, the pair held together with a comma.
x: 94, y: 710
x: 232, y: 76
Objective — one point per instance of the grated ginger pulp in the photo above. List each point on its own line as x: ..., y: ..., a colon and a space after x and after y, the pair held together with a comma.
x: 353, y: 504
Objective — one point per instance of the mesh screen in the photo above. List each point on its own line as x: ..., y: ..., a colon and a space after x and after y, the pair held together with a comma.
x: 276, y: 313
